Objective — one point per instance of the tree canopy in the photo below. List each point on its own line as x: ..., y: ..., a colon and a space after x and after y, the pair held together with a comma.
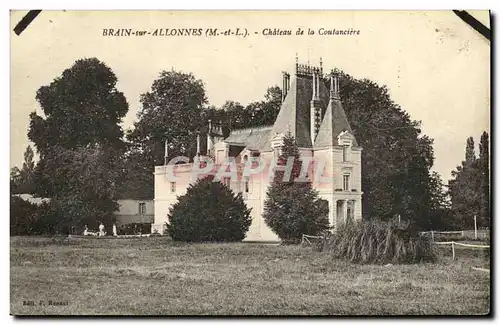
x: 81, y: 107
x: 469, y: 188
x: 171, y: 111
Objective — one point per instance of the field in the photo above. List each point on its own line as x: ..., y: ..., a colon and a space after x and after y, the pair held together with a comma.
x: 155, y: 276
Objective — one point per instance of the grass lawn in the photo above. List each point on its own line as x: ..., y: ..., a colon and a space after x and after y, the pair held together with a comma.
x: 155, y: 276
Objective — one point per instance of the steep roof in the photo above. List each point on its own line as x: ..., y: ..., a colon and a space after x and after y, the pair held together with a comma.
x: 334, y: 122
x: 294, y: 115
x: 251, y: 138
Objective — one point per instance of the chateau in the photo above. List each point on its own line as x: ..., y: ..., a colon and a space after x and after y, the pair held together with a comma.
x: 312, y: 112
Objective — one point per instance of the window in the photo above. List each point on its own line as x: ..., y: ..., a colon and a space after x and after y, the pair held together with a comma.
x: 172, y: 187
x: 346, y: 182
x: 246, y: 185
x: 344, y: 153
x: 226, y: 181
x: 142, y: 208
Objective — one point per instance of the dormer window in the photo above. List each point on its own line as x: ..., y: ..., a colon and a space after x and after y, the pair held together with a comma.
x: 277, y: 144
x: 345, y: 138
x: 277, y: 152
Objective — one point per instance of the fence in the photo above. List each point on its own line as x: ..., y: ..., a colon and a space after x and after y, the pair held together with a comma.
x: 306, y: 239
x: 467, y: 234
x: 453, y: 244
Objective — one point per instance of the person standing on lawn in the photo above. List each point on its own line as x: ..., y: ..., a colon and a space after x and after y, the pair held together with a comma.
x: 101, y: 229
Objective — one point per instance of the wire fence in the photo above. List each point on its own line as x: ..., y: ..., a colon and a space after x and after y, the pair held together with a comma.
x: 483, y: 234
x: 455, y: 245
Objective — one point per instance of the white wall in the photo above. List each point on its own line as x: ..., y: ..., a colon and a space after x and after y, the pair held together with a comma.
x: 129, y: 212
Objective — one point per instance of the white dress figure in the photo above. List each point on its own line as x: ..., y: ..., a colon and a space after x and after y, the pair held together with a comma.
x: 114, y: 230
x: 101, y: 229
x: 86, y: 231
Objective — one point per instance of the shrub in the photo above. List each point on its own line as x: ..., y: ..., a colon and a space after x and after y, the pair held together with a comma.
x: 28, y: 218
x: 45, y: 221
x: 209, y: 211
x: 379, y: 242
x: 22, y: 215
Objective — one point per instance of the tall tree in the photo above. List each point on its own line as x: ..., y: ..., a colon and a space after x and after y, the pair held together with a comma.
x: 174, y: 110
x: 234, y: 116
x: 136, y: 180
x: 293, y: 208
x: 470, y: 152
x: 265, y: 112
x: 82, y: 186
x: 396, y: 157
x: 22, y: 180
x: 81, y: 107
x: 171, y: 110
x: 79, y: 141
x: 440, y: 216
x: 484, y: 171
x: 465, y: 189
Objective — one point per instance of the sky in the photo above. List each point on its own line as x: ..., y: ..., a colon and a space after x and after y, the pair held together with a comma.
x: 434, y: 65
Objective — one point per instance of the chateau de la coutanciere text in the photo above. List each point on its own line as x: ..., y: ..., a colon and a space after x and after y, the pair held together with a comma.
x: 210, y: 32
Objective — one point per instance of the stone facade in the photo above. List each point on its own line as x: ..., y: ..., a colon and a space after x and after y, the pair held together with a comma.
x: 312, y: 112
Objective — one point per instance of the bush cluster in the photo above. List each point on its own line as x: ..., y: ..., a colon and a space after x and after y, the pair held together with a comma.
x: 379, y: 242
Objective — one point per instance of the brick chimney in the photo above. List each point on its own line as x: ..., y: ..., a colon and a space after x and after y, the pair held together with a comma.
x: 315, y: 104
x: 286, y: 85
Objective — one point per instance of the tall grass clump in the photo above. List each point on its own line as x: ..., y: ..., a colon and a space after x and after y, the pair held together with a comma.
x: 379, y: 242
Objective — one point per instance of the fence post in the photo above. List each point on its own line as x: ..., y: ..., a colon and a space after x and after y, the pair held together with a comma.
x: 432, y: 235
x: 475, y: 227
x: 453, y: 249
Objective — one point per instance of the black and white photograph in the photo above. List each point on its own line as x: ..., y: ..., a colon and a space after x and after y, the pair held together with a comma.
x: 250, y: 163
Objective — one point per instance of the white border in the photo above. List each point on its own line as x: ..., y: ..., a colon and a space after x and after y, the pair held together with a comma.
x: 184, y: 4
